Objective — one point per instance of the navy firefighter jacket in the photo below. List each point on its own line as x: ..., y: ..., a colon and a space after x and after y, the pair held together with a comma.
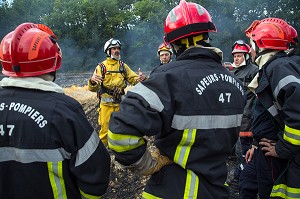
x: 194, y: 107
x: 277, y: 114
x: 48, y: 149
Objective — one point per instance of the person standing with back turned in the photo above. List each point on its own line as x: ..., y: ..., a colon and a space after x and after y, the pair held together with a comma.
x: 48, y: 149
x: 192, y: 105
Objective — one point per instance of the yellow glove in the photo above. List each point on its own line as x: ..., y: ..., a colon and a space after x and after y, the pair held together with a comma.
x: 160, y: 162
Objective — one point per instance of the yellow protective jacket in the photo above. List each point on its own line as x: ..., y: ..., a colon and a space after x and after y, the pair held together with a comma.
x: 113, y: 78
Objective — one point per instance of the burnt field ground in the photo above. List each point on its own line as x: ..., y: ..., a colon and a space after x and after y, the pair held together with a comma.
x: 123, y: 183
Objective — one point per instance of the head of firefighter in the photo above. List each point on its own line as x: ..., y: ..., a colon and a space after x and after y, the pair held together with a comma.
x: 268, y: 37
x: 112, y: 48
x: 164, y: 52
x: 241, y: 53
x: 30, y: 50
x: 188, y: 25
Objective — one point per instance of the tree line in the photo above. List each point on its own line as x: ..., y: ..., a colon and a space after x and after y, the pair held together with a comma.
x: 83, y: 26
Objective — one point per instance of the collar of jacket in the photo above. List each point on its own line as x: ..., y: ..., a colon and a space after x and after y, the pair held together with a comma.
x: 275, y: 56
x: 242, y: 66
x: 31, y: 83
x: 265, y: 58
x: 264, y: 61
x: 197, y: 52
x: 111, y: 61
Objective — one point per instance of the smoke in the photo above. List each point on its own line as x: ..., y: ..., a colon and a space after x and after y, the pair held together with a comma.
x: 77, y: 59
x: 141, y: 51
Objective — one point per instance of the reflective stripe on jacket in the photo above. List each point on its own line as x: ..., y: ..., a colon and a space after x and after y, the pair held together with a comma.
x: 194, y: 106
x: 279, y: 85
x: 48, y: 149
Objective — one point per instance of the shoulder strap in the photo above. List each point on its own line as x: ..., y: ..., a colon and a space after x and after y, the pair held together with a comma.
x: 103, y: 69
x: 123, y: 70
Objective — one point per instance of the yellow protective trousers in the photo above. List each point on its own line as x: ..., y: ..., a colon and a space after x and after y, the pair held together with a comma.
x: 105, y: 112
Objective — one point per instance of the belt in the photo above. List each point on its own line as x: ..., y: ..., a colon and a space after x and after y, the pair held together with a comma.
x: 107, y: 99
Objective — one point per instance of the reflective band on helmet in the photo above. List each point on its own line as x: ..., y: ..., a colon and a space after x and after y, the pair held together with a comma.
x: 196, y: 28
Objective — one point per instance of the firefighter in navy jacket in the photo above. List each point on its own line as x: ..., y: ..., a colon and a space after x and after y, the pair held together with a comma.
x: 48, y: 149
x: 192, y: 105
x: 276, y: 123
x: 245, y: 71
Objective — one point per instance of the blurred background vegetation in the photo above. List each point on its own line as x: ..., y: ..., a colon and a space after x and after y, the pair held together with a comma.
x: 83, y: 26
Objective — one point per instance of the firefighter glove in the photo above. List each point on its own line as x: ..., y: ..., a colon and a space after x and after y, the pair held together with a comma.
x: 150, y: 163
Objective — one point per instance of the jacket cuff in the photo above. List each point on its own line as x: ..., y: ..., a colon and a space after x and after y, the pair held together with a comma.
x: 92, y: 87
x: 255, y: 143
x: 282, y: 150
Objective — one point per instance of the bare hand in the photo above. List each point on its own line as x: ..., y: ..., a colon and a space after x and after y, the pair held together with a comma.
x: 141, y: 77
x: 268, y: 146
x: 96, y: 79
x: 249, y: 155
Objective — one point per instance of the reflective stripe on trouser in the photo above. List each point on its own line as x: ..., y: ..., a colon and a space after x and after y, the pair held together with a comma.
x: 56, y: 179
x: 104, y: 117
x: 259, y: 175
x: 174, y: 182
x: 288, y: 184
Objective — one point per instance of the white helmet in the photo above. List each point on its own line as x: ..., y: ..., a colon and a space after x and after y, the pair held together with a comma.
x: 110, y: 44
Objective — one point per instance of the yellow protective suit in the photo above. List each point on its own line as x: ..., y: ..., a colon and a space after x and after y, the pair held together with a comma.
x: 112, y: 79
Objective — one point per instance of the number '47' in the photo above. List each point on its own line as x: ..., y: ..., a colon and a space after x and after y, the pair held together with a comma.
x: 224, y: 97
x: 10, y: 129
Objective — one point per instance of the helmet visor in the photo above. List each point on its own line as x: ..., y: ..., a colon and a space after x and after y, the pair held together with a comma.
x: 240, y: 43
x: 115, y: 42
x: 164, y: 46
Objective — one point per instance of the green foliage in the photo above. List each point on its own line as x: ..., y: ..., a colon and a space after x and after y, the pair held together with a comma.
x: 83, y: 26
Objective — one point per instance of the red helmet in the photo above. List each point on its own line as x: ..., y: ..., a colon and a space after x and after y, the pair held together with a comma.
x: 270, y: 33
x: 164, y: 47
x: 240, y: 47
x: 30, y: 50
x: 294, y: 35
x: 187, y: 19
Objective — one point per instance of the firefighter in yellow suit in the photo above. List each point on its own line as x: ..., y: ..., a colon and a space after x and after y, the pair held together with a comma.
x: 109, y: 80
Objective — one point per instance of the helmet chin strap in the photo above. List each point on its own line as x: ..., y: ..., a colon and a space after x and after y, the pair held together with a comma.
x: 53, y: 74
x: 247, y: 56
x: 178, y: 49
x: 181, y: 45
